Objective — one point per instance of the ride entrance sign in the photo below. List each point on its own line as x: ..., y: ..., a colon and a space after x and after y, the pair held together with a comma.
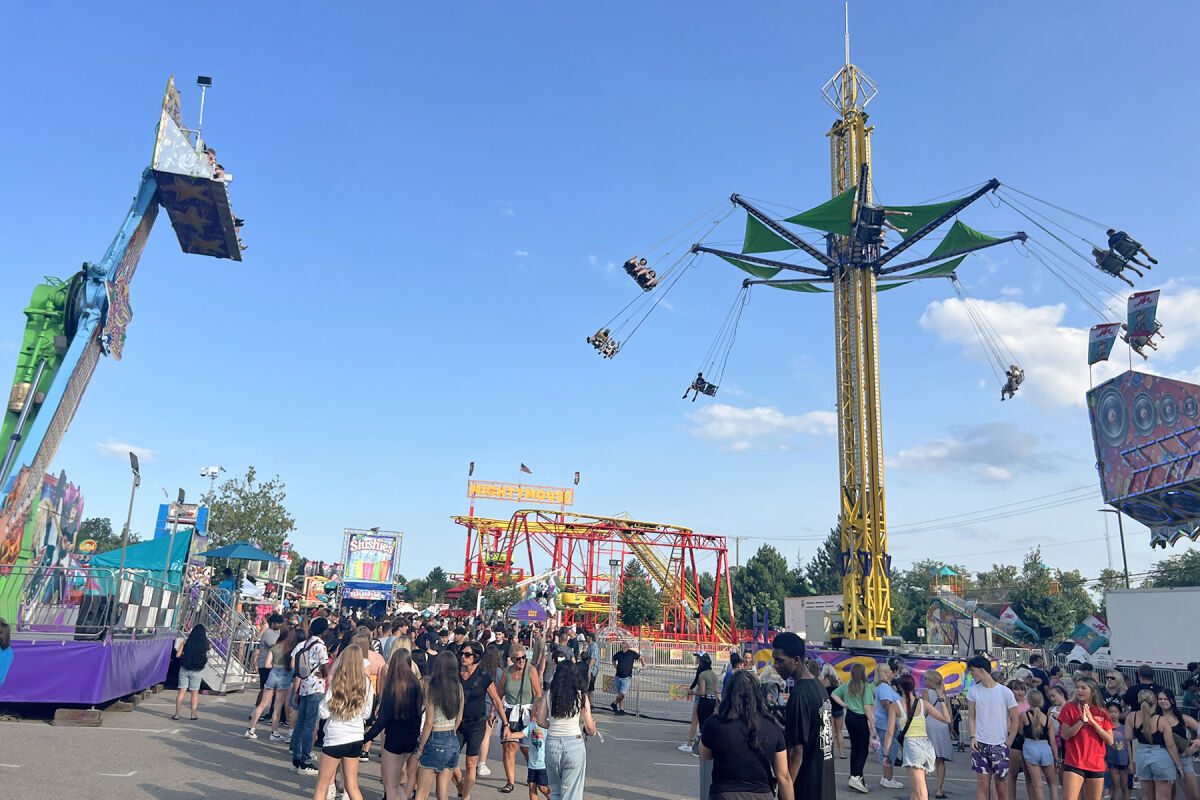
x: 521, y: 493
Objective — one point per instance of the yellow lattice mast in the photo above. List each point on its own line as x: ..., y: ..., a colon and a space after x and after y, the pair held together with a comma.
x: 867, y: 610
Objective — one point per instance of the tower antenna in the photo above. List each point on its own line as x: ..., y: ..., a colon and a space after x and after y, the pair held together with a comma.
x: 847, y: 33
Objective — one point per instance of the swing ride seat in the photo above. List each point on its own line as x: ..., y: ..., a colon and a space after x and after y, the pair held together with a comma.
x: 709, y: 389
x: 869, y: 225
x: 1112, y: 263
x: 1126, y: 247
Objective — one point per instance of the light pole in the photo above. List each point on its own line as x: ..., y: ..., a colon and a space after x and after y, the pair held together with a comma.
x: 137, y: 481
x: 1121, y: 531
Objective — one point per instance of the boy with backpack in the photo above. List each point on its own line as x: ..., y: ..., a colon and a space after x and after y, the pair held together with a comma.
x: 311, y: 661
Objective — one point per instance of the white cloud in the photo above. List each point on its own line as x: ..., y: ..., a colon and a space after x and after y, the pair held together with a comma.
x: 608, y: 266
x: 993, y: 452
x: 738, y: 446
x: 721, y: 421
x: 114, y: 449
x: 1054, y: 355
x: 520, y: 253
x: 1011, y: 291
x: 506, y: 209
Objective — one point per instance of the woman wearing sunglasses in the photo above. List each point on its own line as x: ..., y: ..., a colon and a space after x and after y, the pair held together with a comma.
x: 477, y: 686
x: 522, y: 686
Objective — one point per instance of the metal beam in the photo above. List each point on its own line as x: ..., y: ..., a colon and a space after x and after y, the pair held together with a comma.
x: 928, y: 228
x: 1021, y: 235
x: 783, y: 232
x: 798, y: 281
x: 766, y: 262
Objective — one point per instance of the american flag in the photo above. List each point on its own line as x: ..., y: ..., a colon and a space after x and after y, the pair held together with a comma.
x: 526, y: 469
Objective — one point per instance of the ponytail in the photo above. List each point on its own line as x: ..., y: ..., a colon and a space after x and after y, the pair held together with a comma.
x: 1149, y: 703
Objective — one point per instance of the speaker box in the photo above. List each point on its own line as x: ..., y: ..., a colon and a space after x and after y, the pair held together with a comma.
x: 1148, y: 447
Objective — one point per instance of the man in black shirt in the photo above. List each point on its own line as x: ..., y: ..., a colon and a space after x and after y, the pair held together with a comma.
x: 807, y: 728
x: 1145, y: 681
x: 624, y: 660
x: 502, y: 643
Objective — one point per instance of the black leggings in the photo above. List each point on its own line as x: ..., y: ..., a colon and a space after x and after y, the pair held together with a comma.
x: 860, y: 741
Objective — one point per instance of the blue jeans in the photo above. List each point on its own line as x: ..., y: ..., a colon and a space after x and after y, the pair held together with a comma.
x: 308, y: 708
x: 566, y: 763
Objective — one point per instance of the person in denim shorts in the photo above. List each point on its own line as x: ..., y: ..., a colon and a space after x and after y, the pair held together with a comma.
x: 443, y: 713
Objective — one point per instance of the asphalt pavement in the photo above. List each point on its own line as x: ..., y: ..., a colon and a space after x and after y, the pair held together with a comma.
x: 144, y: 754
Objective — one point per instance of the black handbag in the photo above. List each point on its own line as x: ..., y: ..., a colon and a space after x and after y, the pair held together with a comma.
x: 519, y: 725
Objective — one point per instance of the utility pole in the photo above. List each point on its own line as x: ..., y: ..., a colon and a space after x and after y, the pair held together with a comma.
x: 1121, y: 530
x: 737, y: 548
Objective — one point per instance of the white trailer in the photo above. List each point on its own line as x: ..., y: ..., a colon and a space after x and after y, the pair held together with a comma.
x: 1159, y: 627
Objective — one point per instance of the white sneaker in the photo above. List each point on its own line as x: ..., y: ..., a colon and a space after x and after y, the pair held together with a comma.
x: 250, y: 734
x: 305, y: 769
x: 1021, y: 775
x: 858, y: 784
x: 685, y: 748
x: 892, y: 784
x: 276, y: 736
x: 483, y: 770
x: 331, y: 792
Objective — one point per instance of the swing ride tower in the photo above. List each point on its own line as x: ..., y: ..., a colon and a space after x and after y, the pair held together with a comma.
x: 866, y: 565
x: 856, y: 267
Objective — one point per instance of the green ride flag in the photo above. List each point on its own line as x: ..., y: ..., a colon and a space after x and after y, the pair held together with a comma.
x: 761, y: 239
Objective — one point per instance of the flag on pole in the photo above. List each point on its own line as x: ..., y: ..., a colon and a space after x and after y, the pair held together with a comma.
x: 1100, y: 341
x: 525, y: 468
x: 471, y: 469
x: 577, y: 477
x: 1141, y: 311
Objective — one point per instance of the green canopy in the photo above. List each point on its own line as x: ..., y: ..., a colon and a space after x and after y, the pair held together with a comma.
x: 960, y: 237
x: 761, y: 239
x: 799, y: 287
x: 832, y: 216
x: 921, y: 215
x: 945, y: 268
x: 757, y: 270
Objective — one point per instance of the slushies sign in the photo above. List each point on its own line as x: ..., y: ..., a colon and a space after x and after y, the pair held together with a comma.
x: 521, y: 493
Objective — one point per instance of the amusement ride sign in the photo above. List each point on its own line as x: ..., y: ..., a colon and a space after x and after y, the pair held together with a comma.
x: 521, y: 493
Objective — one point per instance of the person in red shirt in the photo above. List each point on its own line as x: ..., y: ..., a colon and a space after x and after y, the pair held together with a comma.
x: 1086, y: 731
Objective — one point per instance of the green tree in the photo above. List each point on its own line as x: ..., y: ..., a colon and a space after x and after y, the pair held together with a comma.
x: 1050, y: 600
x: 824, y: 570
x: 100, y: 529
x: 637, y: 601
x: 765, y: 581
x: 1177, y: 570
x: 912, y: 595
x: 993, y: 588
x: 250, y: 510
x: 1109, y: 579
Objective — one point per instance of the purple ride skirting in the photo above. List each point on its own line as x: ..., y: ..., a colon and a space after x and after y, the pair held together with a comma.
x: 47, y: 670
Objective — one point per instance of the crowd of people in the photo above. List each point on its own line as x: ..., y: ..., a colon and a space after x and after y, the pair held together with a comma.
x: 435, y: 696
x: 432, y: 695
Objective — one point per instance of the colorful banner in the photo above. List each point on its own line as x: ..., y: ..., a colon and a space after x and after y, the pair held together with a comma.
x: 1091, y: 634
x: 1142, y: 308
x: 1100, y: 341
x: 369, y: 559
x: 521, y: 493
x: 954, y: 673
x: 364, y: 594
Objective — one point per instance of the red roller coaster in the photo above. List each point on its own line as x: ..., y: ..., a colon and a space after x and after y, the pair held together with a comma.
x: 590, y: 553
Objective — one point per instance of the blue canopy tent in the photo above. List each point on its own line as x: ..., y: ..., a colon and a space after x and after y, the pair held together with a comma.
x: 148, y: 557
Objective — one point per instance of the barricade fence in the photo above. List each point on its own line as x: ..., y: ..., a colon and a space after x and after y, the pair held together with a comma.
x: 89, y: 603
x: 660, y: 689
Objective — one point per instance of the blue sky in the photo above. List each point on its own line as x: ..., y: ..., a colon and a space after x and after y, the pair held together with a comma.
x: 436, y: 198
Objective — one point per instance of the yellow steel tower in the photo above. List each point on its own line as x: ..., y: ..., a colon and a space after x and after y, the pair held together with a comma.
x: 867, y: 610
x: 856, y: 266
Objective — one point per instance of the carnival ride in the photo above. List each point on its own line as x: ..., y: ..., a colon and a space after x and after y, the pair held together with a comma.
x: 70, y: 324
x: 589, y: 554
x: 843, y: 246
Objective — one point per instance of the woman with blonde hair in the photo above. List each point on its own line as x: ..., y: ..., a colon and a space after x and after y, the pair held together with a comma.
x: 344, y: 708
x: 1036, y: 750
x: 938, y: 731
x: 1086, y: 731
x: 1152, y: 748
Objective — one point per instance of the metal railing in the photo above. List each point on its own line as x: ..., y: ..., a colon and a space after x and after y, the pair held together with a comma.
x: 88, y: 603
x: 232, y: 637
